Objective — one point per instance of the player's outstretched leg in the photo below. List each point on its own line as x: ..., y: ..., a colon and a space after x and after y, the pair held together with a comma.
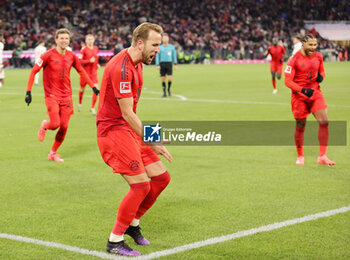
x: 299, y: 142
x: 158, y: 184
x: 121, y: 248
x: 126, y: 211
x: 323, y: 135
x: 93, y: 102
x: 81, y: 95
x: 42, y: 131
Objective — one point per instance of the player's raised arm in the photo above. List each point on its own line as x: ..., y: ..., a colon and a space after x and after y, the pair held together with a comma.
x: 37, y: 67
x: 84, y: 75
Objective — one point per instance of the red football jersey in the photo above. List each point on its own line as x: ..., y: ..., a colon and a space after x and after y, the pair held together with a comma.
x: 56, y: 74
x: 85, y: 55
x: 301, y: 71
x: 121, y: 79
x: 276, y: 53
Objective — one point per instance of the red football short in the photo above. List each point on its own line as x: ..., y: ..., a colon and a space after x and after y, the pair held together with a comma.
x: 276, y: 66
x: 63, y: 106
x: 123, y: 151
x: 92, y: 76
x: 302, y: 106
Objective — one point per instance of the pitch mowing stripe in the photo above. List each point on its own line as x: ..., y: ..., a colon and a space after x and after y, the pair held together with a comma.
x: 245, y: 233
x: 185, y: 99
x: 179, y: 249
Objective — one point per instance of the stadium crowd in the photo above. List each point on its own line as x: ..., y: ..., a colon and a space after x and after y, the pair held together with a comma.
x: 223, y: 29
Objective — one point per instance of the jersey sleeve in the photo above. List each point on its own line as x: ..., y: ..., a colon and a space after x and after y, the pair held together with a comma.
x: 174, y: 55
x: 81, y: 71
x: 283, y: 50
x: 289, y: 74
x: 121, y: 80
x: 41, y: 62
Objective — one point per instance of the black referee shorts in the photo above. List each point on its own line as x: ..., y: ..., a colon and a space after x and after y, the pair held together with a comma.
x: 166, y: 68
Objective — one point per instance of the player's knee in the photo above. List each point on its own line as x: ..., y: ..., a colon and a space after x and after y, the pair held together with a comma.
x: 54, y: 125
x: 142, y: 188
x: 163, y: 179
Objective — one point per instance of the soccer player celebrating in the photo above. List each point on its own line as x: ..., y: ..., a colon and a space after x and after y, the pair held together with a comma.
x: 276, y: 51
x: 164, y: 62
x: 119, y: 132
x: 89, y: 59
x: 57, y: 64
x: 303, y: 74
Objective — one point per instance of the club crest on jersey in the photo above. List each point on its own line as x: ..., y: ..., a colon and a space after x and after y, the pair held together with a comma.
x: 125, y: 87
x: 288, y: 69
x: 39, y: 62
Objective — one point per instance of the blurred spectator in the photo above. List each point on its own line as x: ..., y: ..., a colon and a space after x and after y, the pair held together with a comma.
x: 15, y: 60
x: 241, y: 29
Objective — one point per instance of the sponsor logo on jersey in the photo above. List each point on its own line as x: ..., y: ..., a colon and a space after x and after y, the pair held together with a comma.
x: 125, y: 87
x: 288, y: 69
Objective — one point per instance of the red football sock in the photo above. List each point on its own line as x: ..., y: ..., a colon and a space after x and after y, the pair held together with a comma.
x: 55, y: 146
x: 61, y: 134
x: 299, y: 140
x: 323, y: 137
x: 158, y: 184
x: 129, y: 206
x: 274, y: 83
x: 81, y: 94
x: 94, y: 99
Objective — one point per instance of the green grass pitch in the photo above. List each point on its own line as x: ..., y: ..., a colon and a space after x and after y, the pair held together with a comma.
x: 215, y: 190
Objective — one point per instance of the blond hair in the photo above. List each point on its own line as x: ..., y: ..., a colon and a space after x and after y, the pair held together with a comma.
x: 141, y: 32
x: 89, y: 35
x: 62, y: 31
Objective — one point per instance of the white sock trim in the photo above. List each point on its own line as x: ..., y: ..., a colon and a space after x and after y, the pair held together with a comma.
x: 135, y: 222
x: 115, y: 238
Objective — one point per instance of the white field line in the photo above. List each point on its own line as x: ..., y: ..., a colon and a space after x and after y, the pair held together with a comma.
x: 57, y: 245
x: 245, y: 233
x: 184, y: 99
x: 161, y: 93
x: 175, y: 250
